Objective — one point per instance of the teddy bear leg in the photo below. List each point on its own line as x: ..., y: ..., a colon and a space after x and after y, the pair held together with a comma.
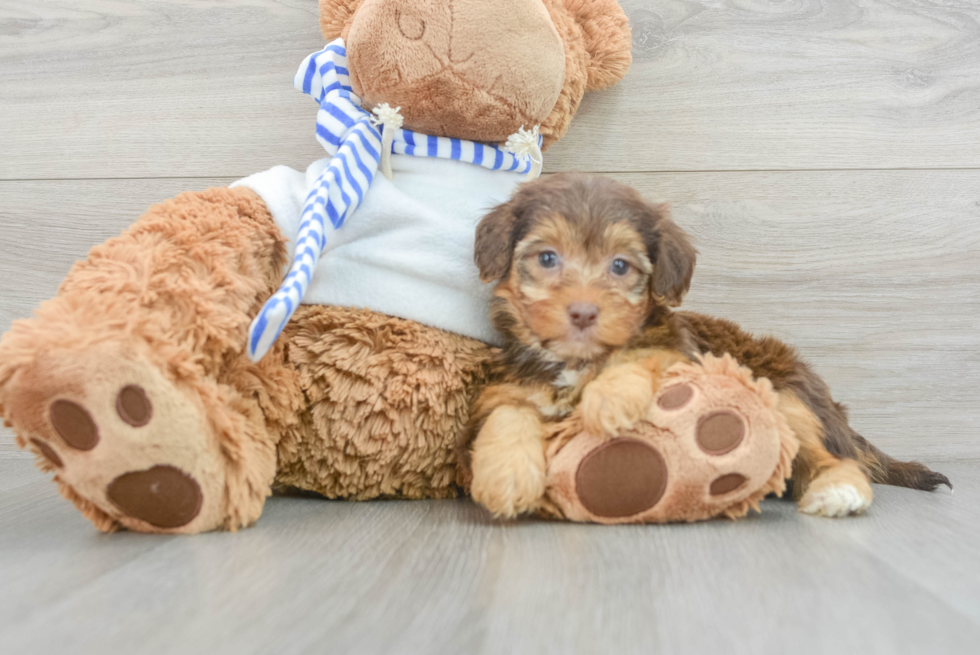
x: 131, y: 386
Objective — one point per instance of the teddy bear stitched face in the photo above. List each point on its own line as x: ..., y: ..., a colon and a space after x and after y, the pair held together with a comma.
x: 458, y: 68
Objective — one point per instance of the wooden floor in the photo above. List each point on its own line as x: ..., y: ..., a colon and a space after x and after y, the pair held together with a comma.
x: 825, y: 154
x: 438, y: 577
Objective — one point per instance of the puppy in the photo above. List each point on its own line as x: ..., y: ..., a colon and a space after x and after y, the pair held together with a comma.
x: 587, y: 273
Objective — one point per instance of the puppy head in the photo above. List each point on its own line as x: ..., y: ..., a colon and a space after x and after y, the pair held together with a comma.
x: 581, y: 262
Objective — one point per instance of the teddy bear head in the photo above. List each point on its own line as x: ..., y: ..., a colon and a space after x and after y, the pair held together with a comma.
x: 480, y: 69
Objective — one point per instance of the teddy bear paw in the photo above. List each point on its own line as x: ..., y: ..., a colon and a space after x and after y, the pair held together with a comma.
x: 710, y: 443
x: 122, y: 437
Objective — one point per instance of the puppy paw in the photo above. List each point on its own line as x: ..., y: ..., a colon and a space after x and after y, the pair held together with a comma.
x: 508, y: 462
x: 616, y: 400
x: 839, y: 491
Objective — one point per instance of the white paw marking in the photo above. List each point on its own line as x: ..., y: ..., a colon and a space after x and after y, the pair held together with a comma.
x: 835, y: 500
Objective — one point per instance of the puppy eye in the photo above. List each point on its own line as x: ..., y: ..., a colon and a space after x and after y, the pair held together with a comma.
x: 548, y: 259
x: 620, y: 267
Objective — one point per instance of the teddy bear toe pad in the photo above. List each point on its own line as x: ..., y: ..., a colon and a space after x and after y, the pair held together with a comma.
x: 675, y: 396
x: 133, y: 406
x: 720, y: 432
x: 712, y: 444
x: 74, y: 424
x: 48, y: 453
x: 726, y: 483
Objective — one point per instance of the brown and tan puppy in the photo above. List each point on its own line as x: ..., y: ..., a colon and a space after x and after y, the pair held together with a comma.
x: 588, y: 271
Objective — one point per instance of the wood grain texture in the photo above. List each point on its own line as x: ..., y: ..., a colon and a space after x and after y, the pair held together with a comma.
x: 438, y: 577
x: 788, y: 84
x: 154, y: 88
x: 873, y: 275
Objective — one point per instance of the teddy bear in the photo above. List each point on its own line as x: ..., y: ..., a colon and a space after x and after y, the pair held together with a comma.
x: 325, y: 330
x: 134, y: 385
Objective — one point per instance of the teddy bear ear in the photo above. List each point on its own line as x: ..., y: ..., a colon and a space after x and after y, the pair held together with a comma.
x: 608, y: 39
x: 336, y: 17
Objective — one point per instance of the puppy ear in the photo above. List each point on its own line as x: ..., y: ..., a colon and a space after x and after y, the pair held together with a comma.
x: 336, y: 17
x: 608, y: 40
x: 672, y: 254
x: 493, y: 247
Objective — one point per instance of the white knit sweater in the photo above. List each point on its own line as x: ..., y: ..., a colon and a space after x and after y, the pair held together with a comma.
x: 408, y: 251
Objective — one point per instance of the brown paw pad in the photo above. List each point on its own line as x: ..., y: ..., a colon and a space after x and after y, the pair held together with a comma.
x: 726, y: 483
x: 74, y: 424
x: 676, y: 397
x: 720, y: 432
x: 133, y: 406
x: 48, y: 452
x: 163, y: 496
x: 622, y: 477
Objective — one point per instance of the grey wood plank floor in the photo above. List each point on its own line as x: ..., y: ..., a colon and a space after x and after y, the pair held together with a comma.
x: 823, y: 153
x: 439, y: 577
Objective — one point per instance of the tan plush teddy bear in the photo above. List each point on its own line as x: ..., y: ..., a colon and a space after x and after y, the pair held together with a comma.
x: 139, y: 386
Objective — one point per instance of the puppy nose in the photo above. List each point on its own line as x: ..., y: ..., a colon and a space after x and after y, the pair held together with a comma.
x: 583, y: 314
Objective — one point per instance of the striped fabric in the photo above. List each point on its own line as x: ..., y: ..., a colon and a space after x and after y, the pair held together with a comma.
x: 348, y: 134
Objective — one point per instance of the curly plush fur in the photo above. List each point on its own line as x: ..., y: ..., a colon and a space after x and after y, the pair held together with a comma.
x: 384, y: 399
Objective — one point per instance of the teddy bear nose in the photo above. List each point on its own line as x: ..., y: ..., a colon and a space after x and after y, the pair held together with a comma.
x: 583, y: 314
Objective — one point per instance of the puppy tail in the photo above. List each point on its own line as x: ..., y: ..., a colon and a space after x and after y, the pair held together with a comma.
x: 886, y: 470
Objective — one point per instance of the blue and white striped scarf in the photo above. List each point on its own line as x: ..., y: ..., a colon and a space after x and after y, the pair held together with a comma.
x: 353, y: 137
